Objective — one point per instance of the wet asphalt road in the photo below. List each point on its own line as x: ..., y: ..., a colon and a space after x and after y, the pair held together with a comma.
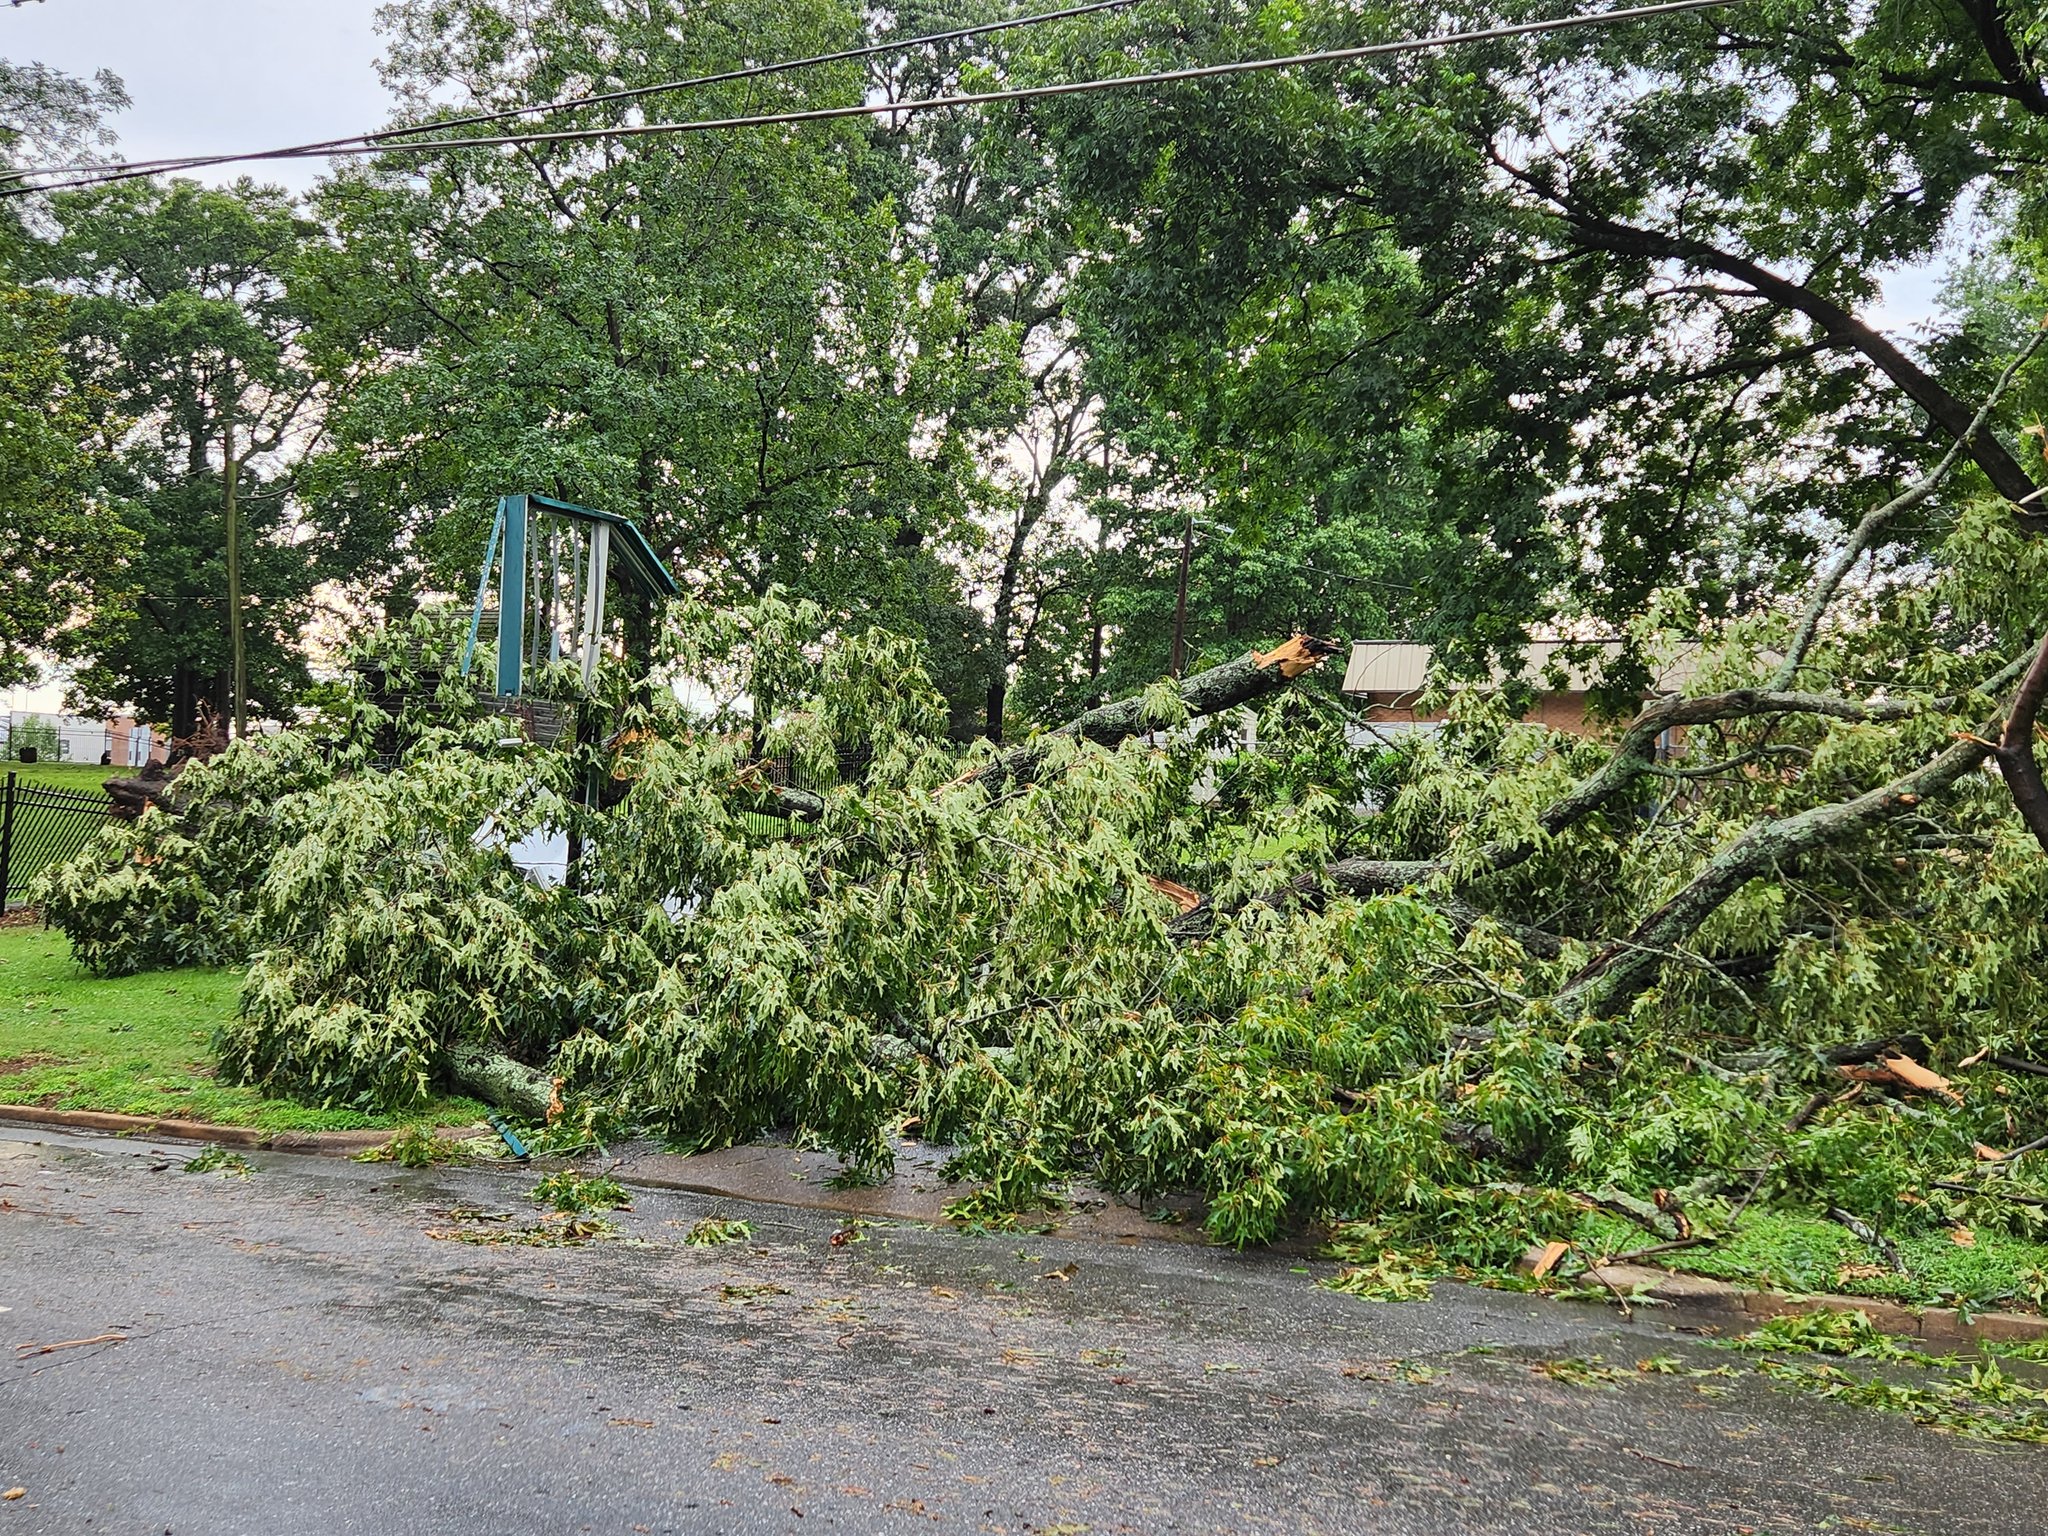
x: 301, y: 1356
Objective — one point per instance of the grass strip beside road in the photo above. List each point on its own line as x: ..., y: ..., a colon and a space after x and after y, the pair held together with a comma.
x: 140, y: 1045
x: 1805, y: 1254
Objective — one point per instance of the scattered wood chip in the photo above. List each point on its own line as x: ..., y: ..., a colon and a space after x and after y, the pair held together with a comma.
x: 1962, y: 1237
x: 14, y: 1493
x: 1988, y: 1154
x: 1971, y: 1061
x: 1064, y: 1272
x: 1538, y: 1262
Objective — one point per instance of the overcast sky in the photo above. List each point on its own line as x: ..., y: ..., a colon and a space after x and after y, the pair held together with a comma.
x: 209, y: 76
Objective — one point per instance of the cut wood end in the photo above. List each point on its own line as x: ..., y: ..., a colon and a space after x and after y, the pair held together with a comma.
x: 1538, y: 1262
x: 1180, y: 895
x: 1911, y: 1073
x: 1296, y: 655
x: 1903, y: 1072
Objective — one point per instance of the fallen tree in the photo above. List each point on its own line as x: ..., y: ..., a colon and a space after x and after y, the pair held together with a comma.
x: 1492, y: 957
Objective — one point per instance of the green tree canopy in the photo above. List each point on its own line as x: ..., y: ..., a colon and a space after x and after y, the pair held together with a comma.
x: 180, y: 320
x: 55, y: 529
x: 724, y: 338
x: 1570, y: 320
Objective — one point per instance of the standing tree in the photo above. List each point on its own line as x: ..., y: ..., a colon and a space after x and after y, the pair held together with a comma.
x: 181, y: 321
x: 721, y: 337
x: 1629, y: 357
x: 55, y: 527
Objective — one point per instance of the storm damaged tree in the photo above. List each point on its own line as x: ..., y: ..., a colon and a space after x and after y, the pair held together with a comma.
x: 1438, y: 987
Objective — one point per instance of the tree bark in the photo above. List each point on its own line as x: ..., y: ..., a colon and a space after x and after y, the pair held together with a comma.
x: 2016, y: 749
x: 501, y: 1083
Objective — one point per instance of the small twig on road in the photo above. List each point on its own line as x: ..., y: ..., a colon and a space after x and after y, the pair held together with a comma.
x: 1684, y: 1242
x: 1677, y: 1466
x: 30, y: 1351
x: 1627, y: 1310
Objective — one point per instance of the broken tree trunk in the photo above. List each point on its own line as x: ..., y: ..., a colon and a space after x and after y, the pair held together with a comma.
x: 1230, y: 686
x: 502, y: 1083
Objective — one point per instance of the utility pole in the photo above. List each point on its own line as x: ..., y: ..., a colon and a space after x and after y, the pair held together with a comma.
x: 1180, y: 598
x: 229, y: 474
x: 1095, y: 699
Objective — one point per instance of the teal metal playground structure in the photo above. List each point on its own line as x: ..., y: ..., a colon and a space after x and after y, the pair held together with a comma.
x: 553, y: 561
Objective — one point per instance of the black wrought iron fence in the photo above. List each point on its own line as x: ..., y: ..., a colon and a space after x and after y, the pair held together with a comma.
x: 41, y: 825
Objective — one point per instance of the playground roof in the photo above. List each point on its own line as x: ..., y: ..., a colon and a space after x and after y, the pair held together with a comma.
x: 642, y: 567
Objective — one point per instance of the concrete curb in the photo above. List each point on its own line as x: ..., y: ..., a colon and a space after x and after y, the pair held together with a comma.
x: 1738, y: 1306
x: 314, y: 1143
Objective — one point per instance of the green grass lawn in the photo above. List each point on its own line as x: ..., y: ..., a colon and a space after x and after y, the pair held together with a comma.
x: 1791, y: 1251
x: 138, y: 1045
x: 85, y: 778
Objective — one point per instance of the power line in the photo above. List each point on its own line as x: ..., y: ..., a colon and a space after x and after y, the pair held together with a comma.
x: 128, y: 170
x: 983, y: 98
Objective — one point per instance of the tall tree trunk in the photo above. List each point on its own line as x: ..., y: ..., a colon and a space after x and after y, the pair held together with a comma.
x: 998, y: 700
x: 184, y: 701
x: 1178, y: 665
x: 1095, y: 699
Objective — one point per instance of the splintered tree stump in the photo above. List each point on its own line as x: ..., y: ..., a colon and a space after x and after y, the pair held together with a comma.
x: 134, y: 795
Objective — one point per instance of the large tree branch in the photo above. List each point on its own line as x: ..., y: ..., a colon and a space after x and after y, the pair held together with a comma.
x: 1834, y: 322
x: 1624, y: 967
x: 1865, y: 533
x: 1988, y: 17
x: 2016, y: 748
x: 1230, y: 686
x: 1632, y: 759
x: 1635, y: 754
